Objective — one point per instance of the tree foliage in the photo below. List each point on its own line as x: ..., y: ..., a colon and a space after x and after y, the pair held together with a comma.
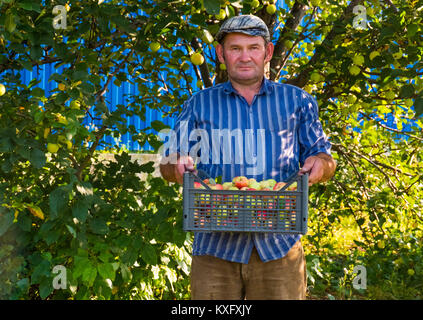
x: 120, y: 236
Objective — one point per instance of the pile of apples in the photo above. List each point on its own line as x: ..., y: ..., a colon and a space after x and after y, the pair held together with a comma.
x: 243, y: 183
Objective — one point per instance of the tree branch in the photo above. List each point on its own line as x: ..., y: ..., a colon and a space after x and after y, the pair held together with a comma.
x: 304, y: 75
x: 297, y: 13
x: 204, y: 69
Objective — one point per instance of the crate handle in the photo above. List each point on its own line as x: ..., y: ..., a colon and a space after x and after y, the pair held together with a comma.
x: 196, y: 177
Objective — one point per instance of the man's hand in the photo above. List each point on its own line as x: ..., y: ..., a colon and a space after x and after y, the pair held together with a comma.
x: 172, y: 168
x: 320, y: 167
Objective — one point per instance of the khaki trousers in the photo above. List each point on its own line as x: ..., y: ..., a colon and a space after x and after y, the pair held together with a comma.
x: 282, y: 279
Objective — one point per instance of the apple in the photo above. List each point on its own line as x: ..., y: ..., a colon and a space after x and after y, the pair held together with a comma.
x: 358, y: 60
x: 75, y: 104
x: 197, y: 59
x: 52, y: 147
x: 46, y: 133
x: 271, y: 9
x: 374, y: 54
x: 279, y: 186
x: 409, y: 103
x: 351, y: 99
x: 198, y: 185
x: 227, y: 185
x: 216, y: 186
x: 354, y: 70
x: 255, y: 185
x: 2, y: 89
x: 61, y: 87
x: 221, y: 15
x: 255, y: 3
x: 288, y: 44
x: 315, y: 77
x: 397, y: 55
x: 271, y: 183
x: 240, y: 182
x: 155, y: 46
x: 390, y: 95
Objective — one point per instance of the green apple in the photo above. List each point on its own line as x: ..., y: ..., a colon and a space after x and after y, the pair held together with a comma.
x: 271, y: 183
x: 409, y: 103
x: 221, y: 15
x: 397, y: 55
x: 75, y: 104
x: 354, y: 70
x: 288, y: 44
x: 271, y: 9
x: 228, y: 185
x: 255, y: 3
x: 390, y: 95
x: 2, y: 89
x: 197, y: 59
x: 351, y: 99
x: 155, y: 46
x: 358, y: 60
x: 315, y: 77
x: 374, y: 54
x: 52, y: 147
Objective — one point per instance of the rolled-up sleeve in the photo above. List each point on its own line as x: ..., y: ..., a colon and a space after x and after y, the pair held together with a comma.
x: 312, y: 139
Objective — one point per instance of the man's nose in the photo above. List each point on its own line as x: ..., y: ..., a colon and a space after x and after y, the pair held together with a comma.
x: 245, y: 55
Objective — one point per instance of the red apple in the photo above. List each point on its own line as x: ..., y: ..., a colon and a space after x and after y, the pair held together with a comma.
x: 216, y: 186
x: 240, y: 182
x: 279, y: 186
x: 198, y: 185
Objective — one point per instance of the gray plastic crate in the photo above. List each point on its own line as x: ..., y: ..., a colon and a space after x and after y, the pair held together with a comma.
x: 283, y: 211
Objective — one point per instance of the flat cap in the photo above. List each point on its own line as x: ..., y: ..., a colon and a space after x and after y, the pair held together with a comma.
x: 247, y: 24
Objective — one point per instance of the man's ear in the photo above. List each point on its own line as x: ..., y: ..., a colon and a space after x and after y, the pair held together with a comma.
x: 219, y: 52
x: 269, y: 51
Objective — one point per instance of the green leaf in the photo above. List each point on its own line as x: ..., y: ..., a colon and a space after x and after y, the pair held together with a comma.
x: 148, y: 254
x: 212, y: 6
x: 99, y: 226
x: 58, y: 200
x: 6, y: 219
x: 89, y: 275
x: 407, y: 91
x: 106, y: 271
x: 46, y: 288
x: 10, y: 22
x: 80, y: 210
x: 37, y: 158
x: 71, y: 230
x: 418, y: 106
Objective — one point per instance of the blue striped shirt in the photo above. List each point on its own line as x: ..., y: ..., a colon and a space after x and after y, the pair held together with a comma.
x: 270, y: 138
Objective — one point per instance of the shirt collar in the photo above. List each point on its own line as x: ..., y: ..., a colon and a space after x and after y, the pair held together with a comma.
x: 266, y: 87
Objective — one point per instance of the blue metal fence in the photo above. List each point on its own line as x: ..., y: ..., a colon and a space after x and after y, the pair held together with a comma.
x: 115, y: 95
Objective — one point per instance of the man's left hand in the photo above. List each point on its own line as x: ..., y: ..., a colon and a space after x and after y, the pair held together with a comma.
x: 320, y: 167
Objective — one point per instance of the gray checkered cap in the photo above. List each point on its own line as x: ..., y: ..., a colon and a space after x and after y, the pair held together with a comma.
x: 247, y: 24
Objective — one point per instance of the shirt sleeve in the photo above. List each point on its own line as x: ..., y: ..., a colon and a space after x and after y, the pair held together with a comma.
x: 176, y: 140
x: 311, y: 136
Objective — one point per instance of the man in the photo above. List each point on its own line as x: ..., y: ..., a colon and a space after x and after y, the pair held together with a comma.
x: 276, y: 130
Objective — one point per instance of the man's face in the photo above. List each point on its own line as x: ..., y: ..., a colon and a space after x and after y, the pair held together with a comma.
x: 245, y: 57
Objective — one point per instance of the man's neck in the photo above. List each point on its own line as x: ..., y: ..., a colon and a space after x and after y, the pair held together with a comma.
x: 248, y: 91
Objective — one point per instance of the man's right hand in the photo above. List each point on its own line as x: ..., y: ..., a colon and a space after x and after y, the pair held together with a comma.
x: 172, y: 168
